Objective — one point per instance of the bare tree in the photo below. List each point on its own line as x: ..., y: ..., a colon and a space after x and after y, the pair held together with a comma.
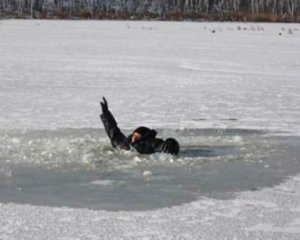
x: 287, y: 9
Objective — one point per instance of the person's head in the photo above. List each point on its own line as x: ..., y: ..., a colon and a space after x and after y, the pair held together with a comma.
x: 138, y: 133
x: 171, y: 146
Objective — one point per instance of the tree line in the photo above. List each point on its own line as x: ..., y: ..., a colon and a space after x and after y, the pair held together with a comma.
x: 234, y: 10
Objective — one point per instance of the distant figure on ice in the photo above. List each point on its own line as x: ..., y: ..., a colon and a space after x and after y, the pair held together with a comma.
x: 142, y: 139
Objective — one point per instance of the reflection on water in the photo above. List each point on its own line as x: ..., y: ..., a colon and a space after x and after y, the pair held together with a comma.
x: 78, y: 168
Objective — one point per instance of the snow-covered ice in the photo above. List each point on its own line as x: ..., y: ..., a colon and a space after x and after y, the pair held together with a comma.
x: 53, y: 74
x: 266, y: 214
x: 205, y: 83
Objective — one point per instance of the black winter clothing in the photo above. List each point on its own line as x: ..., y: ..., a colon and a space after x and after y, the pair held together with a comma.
x: 146, y: 144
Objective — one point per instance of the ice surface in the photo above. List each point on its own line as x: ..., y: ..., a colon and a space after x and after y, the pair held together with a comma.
x: 265, y: 214
x: 171, y: 76
x: 53, y: 75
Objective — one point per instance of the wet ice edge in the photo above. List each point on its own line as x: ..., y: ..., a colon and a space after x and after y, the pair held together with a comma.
x: 266, y: 214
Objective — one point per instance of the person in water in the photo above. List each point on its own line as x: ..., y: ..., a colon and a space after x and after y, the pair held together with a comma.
x: 142, y: 139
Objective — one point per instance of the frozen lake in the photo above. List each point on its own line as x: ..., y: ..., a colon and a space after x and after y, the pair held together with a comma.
x: 229, y: 92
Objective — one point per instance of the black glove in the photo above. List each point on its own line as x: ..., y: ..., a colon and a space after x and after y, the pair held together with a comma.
x: 104, y: 105
x: 171, y: 146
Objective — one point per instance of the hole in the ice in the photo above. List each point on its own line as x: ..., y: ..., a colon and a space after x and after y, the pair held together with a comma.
x: 78, y: 168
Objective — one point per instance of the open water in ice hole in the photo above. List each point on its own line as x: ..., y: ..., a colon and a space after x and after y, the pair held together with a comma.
x: 78, y: 168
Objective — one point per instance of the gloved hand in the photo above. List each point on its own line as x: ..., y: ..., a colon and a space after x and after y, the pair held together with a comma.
x: 171, y: 146
x: 104, y: 105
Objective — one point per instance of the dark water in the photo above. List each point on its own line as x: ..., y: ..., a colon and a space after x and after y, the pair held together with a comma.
x: 78, y: 168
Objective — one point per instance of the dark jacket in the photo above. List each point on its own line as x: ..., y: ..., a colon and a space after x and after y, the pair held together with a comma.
x: 147, y: 144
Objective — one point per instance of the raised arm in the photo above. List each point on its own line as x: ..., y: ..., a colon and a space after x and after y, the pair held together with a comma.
x: 117, y: 138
